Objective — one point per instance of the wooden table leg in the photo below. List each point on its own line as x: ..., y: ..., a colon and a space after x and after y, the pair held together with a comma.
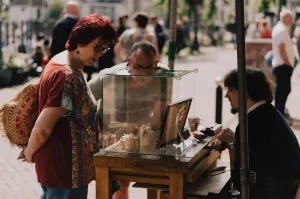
x: 176, y: 186
x: 103, y: 183
x: 152, y: 194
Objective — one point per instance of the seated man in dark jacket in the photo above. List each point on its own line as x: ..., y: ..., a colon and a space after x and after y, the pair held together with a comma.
x: 273, y: 147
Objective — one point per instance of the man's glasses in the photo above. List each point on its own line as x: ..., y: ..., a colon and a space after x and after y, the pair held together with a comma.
x: 139, y: 67
x: 100, y: 50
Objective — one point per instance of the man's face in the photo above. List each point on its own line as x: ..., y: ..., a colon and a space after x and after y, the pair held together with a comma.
x: 288, y: 20
x: 233, y: 97
x: 142, y: 64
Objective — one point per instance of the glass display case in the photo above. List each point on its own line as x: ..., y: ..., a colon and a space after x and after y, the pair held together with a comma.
x: 147, y: 113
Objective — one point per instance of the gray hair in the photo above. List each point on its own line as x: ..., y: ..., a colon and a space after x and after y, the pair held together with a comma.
x: 145, y: 46
x: 285, y: 13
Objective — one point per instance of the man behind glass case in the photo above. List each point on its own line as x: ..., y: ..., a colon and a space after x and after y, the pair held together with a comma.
x: 131, y: 95
x: 273, y: 147
x: 135, y: 99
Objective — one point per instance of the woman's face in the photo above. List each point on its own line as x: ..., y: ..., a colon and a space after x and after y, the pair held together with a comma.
x: 89, y: 53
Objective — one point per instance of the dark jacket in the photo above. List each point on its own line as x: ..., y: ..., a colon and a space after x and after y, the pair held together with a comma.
x: 273, y: 147
x: 60, y: 34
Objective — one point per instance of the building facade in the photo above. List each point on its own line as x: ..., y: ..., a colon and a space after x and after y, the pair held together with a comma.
x: 114, y: 8
x: 24, y: 10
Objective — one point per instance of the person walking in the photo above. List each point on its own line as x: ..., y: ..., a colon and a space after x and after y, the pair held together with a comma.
x: 283, y: 59
x: 63, y: 28
x: 134, y: 35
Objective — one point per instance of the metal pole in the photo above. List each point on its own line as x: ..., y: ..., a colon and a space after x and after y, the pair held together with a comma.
x: 7, y: 33
x: 1, y: 55
x: 219, y: 100
x: 13, y: 32
x: 242, y: 82
x: 22, y: 32
x: 172, y: 43
x: 196, y: 21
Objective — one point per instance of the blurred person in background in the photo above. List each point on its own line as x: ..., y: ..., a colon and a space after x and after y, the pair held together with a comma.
x: 180, y: 37
x: 186, y: 25
x: 283, y: 59
x: 122, y: 24
x: 253, y: 30
x: 159, y: 30
x: 63, y: 27
x: 297, y: 35
x: 265, y: 30
x: 133, y: 35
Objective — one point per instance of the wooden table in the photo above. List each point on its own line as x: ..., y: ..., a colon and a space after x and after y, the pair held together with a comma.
x: 152, y: 169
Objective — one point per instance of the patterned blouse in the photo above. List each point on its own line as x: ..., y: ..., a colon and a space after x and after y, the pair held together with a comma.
x: 65, y: 160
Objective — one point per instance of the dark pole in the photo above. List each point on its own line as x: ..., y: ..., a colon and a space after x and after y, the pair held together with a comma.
x: 13, y: 32
x: 27, y: 29
x: 196, y: 22
x: 173, y: 27
x: 7, y: 33
x: 1, y: 56
x: 22, y: 33
x: 242, y: 82
x: 219, y: 100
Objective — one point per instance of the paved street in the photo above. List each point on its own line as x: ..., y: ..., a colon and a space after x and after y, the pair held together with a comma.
x: 18, y: 180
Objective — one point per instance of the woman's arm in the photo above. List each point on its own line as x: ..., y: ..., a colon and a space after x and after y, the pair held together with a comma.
x: 42, y: 130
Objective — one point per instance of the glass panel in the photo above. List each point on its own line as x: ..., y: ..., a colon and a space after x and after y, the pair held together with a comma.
x: 159, y: 73
x: 144, y: 114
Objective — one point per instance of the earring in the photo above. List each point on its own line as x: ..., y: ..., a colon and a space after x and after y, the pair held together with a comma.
x: 77, y: 52
x: 127, y: 68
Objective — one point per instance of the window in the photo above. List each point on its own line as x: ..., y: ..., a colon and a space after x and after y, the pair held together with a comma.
x: 105, y: 11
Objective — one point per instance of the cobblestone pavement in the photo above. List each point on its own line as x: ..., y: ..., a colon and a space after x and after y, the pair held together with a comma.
x: 18, y: 180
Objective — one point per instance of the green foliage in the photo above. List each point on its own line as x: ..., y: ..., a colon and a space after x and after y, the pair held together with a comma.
x: 184, y: 9
x: 4, y: 15
x: 55, y: 9
x: 281, y: 2
x: 264, y: 5
x: 209, y: 13
x: 211, y: 9
x: 11, y: 64
x: 160, y: 5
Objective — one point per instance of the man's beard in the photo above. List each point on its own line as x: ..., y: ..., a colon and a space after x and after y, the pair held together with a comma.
x: 234, y: 110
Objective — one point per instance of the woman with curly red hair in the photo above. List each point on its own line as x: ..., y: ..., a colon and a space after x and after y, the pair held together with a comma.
x: 65, y: 135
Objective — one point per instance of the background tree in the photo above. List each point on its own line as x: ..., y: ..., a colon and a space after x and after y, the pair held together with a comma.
x: 55, y: 9
x: 264, y: 5
x: 160, y: 6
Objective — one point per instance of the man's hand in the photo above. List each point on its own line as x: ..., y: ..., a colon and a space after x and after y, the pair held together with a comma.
x: 131, y: 128
x: 227, y: 136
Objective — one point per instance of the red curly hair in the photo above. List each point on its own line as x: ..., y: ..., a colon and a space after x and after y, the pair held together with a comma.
x: 89, y: 28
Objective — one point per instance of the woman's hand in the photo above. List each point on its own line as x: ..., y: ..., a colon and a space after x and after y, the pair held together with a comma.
x: 25, y: 157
